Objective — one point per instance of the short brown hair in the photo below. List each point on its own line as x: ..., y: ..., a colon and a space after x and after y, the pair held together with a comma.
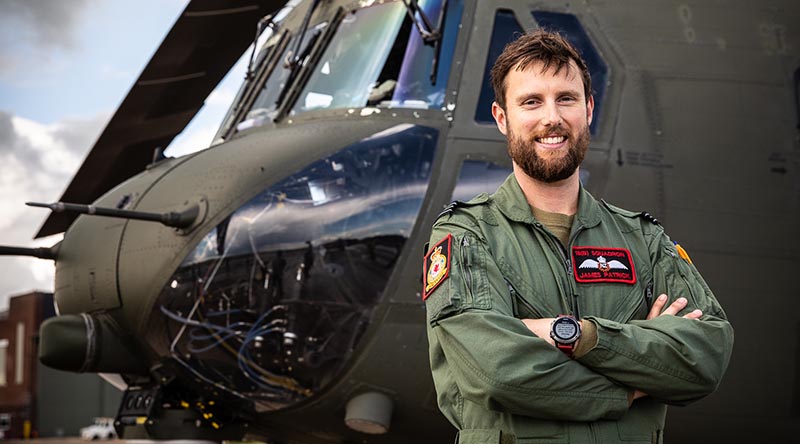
x: 550, y: 48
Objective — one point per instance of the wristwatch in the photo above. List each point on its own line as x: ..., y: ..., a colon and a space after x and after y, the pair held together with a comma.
x: 565, y: 332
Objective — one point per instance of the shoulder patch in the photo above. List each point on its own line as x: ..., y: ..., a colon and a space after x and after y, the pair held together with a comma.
x: 436, y: 267
x: 682, y: 253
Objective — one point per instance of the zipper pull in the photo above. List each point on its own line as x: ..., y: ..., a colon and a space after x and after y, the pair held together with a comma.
x: 513, y: 293
x: 648, y: 294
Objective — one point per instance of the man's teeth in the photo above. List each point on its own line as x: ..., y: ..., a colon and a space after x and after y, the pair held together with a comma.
x: 552, y: 140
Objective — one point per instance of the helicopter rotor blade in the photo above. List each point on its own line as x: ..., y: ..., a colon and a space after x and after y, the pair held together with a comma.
x: 202, y: 46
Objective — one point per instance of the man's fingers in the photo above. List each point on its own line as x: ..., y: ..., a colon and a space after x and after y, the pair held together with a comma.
x: 658, y: 305
x: 675, y: 307
x: 696, y: 314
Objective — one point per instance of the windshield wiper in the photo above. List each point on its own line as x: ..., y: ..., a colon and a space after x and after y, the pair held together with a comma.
x: 426, y: 31
x: 429, y: 35
x: 294, y: 57
x: 437, y: 45
x: 255, y: 82
x: 294, y: 66
x: 261, y: 26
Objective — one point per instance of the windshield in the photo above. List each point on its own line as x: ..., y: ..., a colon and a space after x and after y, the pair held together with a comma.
x: 377, y: 58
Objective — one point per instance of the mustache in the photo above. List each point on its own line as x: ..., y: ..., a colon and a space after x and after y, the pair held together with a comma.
x: 554, y: 131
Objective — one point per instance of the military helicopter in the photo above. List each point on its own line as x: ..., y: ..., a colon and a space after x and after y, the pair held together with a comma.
x: 269, y: 286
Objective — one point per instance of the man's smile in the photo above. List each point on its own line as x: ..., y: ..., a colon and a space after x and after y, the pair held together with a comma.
x: 551, y: 141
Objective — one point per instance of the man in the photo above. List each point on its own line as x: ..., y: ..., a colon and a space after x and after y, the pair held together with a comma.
x: 543, y: 320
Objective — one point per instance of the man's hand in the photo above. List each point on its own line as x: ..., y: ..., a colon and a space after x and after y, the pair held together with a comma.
x: 673, y: 309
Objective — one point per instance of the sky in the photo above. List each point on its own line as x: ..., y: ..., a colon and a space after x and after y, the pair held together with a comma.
x: 65, y: 66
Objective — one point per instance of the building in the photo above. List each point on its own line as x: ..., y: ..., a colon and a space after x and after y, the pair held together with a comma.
x: 36, y: 400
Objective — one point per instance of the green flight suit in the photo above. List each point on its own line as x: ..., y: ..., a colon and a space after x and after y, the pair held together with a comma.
x: 497, y: 382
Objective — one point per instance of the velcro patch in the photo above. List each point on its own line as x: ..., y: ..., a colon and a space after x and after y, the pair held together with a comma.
x: 602, y: 264
x: 436, y: 267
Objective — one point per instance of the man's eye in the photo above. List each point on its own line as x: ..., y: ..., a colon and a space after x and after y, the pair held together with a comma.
x: 567, y: 99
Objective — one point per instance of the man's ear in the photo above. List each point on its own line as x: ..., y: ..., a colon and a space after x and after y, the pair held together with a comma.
x: 589, y: 110
x: 499, y: 115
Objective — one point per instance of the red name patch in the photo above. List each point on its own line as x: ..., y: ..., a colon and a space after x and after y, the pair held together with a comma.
x: 436, y: 267
x: 601, y: 264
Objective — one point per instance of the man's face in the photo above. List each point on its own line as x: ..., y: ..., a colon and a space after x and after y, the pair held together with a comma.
x: 546, y: 121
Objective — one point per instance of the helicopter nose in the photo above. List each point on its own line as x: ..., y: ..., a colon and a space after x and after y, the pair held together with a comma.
x: 272, y: 303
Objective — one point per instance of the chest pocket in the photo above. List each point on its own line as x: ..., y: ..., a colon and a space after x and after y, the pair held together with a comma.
x: 527, y: 303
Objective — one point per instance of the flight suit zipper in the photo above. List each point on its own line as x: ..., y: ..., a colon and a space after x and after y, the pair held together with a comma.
x: 570, y: 271
x: 465, y: 264
x: 555, y: 245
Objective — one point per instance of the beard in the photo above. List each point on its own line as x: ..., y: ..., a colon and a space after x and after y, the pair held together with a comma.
x: 548, y: 170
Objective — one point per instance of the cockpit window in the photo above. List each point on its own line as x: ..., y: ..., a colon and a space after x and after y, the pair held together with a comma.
x: 271, y: 303
x: 275, y: 53
x: 506, y: 30
x: 267, y: 101
x: 569, y: 26
x: 377, y: 58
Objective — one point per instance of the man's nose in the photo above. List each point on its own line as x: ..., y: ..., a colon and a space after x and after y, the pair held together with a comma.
x: 552, y: 115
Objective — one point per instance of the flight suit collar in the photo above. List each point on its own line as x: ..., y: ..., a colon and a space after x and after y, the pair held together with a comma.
x: 511, y: 201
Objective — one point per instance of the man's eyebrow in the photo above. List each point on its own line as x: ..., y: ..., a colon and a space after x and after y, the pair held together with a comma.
x: 523, y: 96
x: 527, y: 95
x: 570, y: 92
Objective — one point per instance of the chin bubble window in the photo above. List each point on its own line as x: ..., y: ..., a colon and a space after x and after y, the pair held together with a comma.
x: 272, y: 302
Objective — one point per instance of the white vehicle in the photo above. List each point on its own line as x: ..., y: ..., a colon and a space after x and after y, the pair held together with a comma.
x: 103, y: 428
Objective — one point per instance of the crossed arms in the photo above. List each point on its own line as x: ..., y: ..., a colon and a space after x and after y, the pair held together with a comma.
x: 508, y: 364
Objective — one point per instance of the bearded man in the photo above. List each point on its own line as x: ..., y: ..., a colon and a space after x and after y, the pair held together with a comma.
x: 543, y: 320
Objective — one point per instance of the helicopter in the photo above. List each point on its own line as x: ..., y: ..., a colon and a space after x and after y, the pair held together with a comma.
x: 270, y: 286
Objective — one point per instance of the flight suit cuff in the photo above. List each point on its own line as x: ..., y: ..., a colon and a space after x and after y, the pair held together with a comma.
x: 588, y: 338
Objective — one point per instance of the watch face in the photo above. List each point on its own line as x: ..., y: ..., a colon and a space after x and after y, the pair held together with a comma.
x: 565, y: 329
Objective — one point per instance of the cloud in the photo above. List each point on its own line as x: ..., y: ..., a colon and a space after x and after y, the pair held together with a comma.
x: 38, y: 161
x: 33, y: 33
x: 7, y: 134
x: 44, y: 23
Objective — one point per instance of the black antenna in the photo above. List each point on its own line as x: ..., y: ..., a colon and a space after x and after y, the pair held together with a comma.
x: 41, y: 253
x: 182, y: 219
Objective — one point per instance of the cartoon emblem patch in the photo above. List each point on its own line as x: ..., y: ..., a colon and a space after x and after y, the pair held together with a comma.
x: 437, y: 265
x: 601, y: 264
